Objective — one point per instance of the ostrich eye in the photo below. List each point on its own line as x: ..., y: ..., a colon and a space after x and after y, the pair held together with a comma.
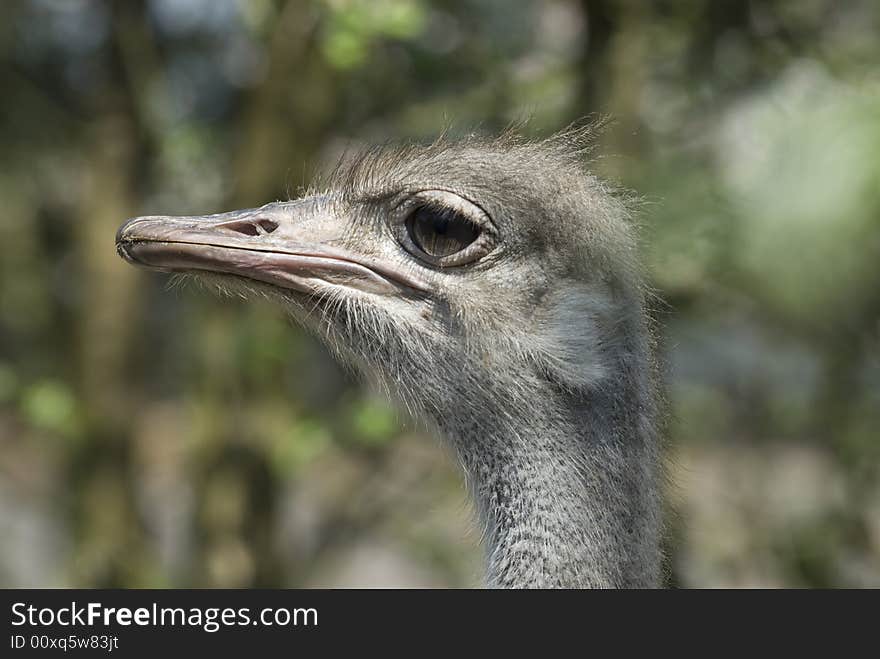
x: 443, y: 229
x: 440, y: 232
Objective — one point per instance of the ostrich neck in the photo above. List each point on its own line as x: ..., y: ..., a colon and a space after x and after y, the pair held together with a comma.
x: 568, y: 497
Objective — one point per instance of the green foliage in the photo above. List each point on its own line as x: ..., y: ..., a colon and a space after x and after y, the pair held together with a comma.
x: 802, y: 169
x: 50, y: 405
x: 373, y: 422
x: 353, y: 26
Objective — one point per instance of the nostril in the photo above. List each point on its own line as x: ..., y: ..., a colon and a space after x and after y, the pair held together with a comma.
x: 246, y: 228
x: 268, y: 226
x: 251, y: 227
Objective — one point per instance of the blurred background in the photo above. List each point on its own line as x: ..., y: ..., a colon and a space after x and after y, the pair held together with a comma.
x: 157, y: 437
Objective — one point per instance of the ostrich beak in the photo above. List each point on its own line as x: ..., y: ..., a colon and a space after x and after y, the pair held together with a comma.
x: 293, y: 245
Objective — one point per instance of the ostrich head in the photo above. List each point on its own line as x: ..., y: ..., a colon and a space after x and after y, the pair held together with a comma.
x: 490, y: 287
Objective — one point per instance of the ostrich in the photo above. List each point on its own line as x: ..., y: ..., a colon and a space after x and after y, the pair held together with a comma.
x: 490, y: 287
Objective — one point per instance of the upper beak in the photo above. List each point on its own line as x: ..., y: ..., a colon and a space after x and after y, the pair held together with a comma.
x: 294, y: 245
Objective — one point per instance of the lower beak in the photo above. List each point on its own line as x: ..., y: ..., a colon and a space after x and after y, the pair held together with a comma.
x: 289, y: 245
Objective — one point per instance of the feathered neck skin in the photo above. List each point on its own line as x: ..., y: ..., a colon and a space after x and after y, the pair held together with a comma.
x: 564, y: 482
x: 568, y: 504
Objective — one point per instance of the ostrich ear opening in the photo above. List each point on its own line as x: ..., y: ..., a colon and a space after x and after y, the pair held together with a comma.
x: 571, y: 346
